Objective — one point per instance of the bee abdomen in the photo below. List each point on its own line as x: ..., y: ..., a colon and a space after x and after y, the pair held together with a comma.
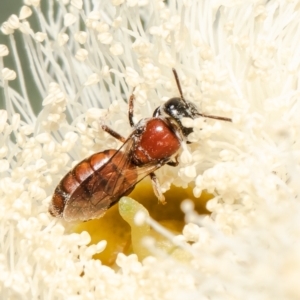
x: 74, y: 179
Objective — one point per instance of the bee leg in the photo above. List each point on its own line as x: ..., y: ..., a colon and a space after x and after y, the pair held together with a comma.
x: 173, y: 163
x: 113, y: 133
x: 130, y: 109
x: 156, y: 188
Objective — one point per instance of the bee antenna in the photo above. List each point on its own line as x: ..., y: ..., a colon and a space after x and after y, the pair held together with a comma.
x: 215, y: 117
x: 178, y: 84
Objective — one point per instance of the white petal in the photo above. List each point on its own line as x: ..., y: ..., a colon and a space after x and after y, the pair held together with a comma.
x: 3, y: 50
x: 69, y: 19
x: 81, y: 54
x: 77, y: 3
x: 25, y: 12
x: 13, y: 22
x: 93, y: 79
x: 40, y: 36
x: 9, y: 74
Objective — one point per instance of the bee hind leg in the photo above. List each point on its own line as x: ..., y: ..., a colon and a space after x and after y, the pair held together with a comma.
x: 157, y: 189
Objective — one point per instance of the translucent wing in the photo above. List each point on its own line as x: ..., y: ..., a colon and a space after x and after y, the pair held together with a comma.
x: 108, y: 181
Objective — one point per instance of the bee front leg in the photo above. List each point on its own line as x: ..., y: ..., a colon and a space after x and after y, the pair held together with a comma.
x: 113, y: 133
x: 130, y: 109
x: 157, y: 189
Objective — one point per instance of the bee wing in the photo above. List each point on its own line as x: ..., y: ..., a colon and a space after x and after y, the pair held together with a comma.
x: 104, y: 187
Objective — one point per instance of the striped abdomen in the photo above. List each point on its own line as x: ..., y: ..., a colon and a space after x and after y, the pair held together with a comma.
x: 93, y: 186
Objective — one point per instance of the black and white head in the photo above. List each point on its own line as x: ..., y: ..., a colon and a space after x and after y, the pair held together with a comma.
x: 175, y: 109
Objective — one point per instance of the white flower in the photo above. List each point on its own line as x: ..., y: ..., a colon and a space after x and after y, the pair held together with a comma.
x: 234, y: 59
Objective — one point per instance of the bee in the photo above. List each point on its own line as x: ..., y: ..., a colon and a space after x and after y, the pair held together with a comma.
x: 99, y: 181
